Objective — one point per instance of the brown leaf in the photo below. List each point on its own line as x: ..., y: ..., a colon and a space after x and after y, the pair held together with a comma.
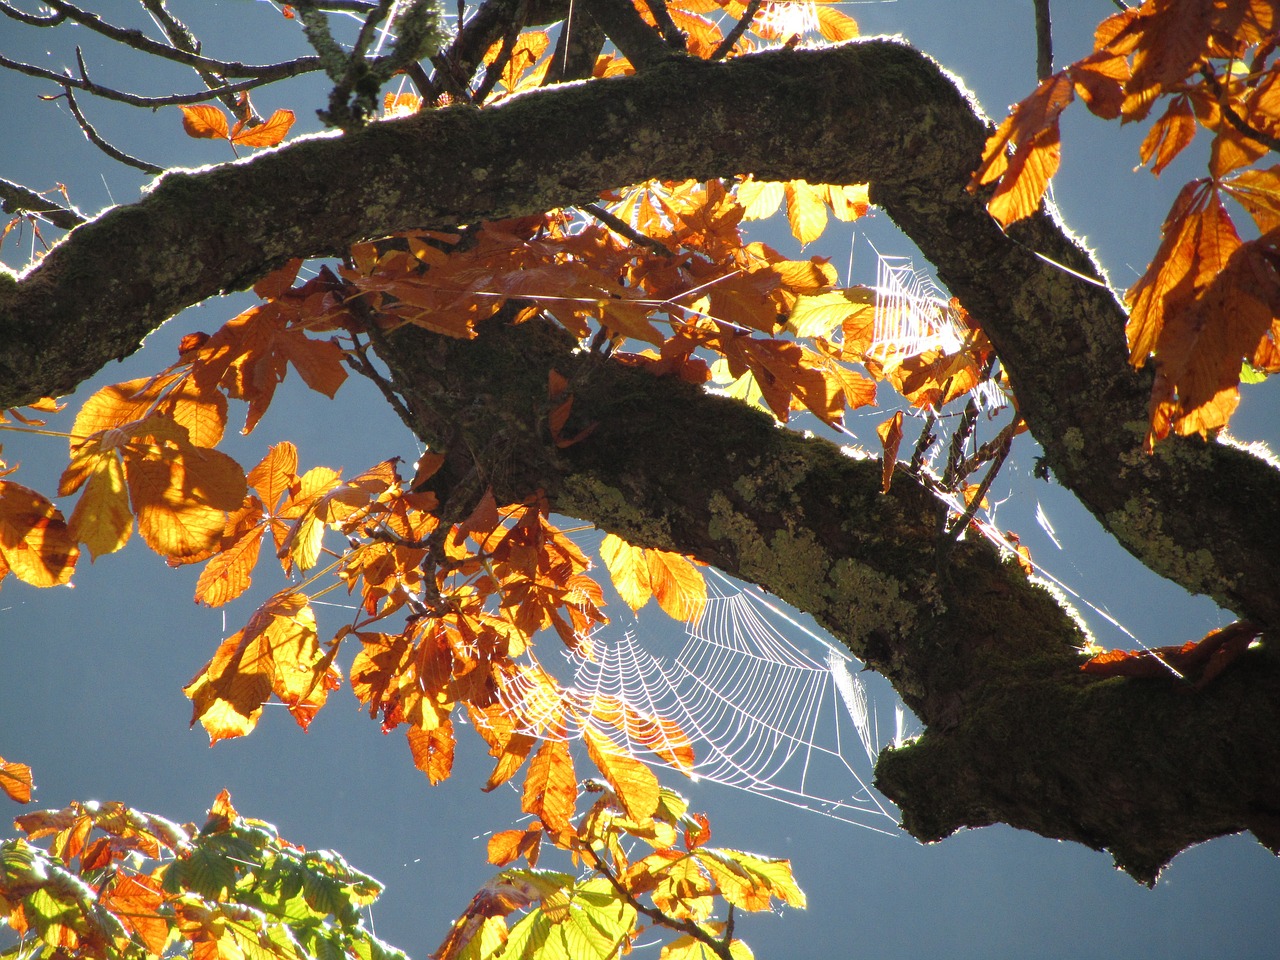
x: 890, y: 434
x: 267, y: 134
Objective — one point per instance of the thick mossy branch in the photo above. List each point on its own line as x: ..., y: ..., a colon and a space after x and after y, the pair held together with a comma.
x: 966, y: 644
x: 1017, y: 733
x: 873, y: 111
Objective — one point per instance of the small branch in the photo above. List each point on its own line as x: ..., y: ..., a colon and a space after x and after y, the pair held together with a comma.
x: 133, y: 100
x: 139, y: 41
x: 675, y: 37
x: 957, y: 528
x: 1044, y: 40
x: 687, y: 927
x: 923, y: 443
x: 637, y: 41
x: 731, y: 38
x: 624, y: 229
x: 1235, y: 119
x: 15, y: 198
x: 991, y: 449
x: 96, y: 139
x: 32, y: 19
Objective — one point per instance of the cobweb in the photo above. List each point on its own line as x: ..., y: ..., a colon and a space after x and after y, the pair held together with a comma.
x: 761, y: 712
x: 912, y: 316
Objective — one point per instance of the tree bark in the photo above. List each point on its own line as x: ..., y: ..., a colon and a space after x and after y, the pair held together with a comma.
x: 1016, y: 732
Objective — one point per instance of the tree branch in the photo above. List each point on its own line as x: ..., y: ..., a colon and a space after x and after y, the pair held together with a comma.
x: 15, y: 198
x: 1016, y: 732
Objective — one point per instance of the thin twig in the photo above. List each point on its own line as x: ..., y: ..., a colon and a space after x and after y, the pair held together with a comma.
x: 15, y: 198
x: 494, y: 70
x: 119, y: 96
x: 1044, y: 41
x: 624, y: 229
x: 96, y: 139
x: 953, y: 533
x: 991, y: 449
x: 675, y: 37
x: 1235, y: 119
x: 32, y: 19
x: 923, y: 443
x: 687, y: 927
x: 731, y: 38
x: 139, y: 41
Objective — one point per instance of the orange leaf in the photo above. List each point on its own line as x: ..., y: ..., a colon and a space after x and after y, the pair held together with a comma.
x: 1169, y: 135
x: 267, y: 134
x: 204, y: 121
x: 836, y: 26
x: 276, y: 653
x: 890, y: 434
x: 628, y: 569
x: 35, y: 542
x: 677, y: 585
x: 433, y: 750
x: 1031, y: 130
x: 15, y: 780
x: 634, y: 784
x: 550, y: 787
x: 1203, y: 659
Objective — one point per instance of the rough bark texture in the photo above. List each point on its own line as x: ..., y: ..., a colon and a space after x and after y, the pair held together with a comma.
x: 1015, y: 732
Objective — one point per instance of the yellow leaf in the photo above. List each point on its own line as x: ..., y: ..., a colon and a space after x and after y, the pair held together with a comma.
x: 550, y: 787
x: 677, y: 584
x: 890, y: 433
x: 15, y: 780
x: 760, y: 198
x: 34, y: 540
x: 433, y: 750
x: 836, y: 26
x: 276, y: 653
x: 806, y: 211
x: 102, y: 520
x: 634, y: 784
x: 817, y: 315
x: 628, y: 569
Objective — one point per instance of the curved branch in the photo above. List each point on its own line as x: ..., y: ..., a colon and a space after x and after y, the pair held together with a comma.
x: 847, y: 114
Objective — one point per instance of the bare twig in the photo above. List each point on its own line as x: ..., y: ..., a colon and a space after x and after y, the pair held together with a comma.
x: 15, y: 198
x: 739, y: 28
x: 923, y: 443
x: 624, y: 229
x: 962, y: 523
x: 675, y: 37
x: 1044, y: 40
x: 139, y: 41
x: 97, y: 140
x: 119, y: 96
x: 33, y: 19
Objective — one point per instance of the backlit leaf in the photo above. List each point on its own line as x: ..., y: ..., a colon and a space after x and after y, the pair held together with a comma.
x: 266, y: 134
x: 204, y: 121
x: 634, y: 784
x: 35, y: 543
x: 677, y: 585
x: 550, y: 786
x: 890, y: 434
x: 15, y: 780
x: 628, y: 569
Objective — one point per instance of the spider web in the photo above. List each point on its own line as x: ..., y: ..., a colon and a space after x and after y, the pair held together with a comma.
x: 761, y: 713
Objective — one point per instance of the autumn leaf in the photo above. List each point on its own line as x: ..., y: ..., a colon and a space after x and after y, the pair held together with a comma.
x: 15, y: 780
x: 204, y: 121
x: 267, y: 134
x: 676, y: 583
x: 1169, y: 135
x: 634, y: 784
x: 35, y: 542
x: 805, y: 211
x: 1031, y: 132
x: 628, y: 569
x: 890, y: 434
x: 550, y: 786
x: 276, y: 652
x: 433, y: 750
